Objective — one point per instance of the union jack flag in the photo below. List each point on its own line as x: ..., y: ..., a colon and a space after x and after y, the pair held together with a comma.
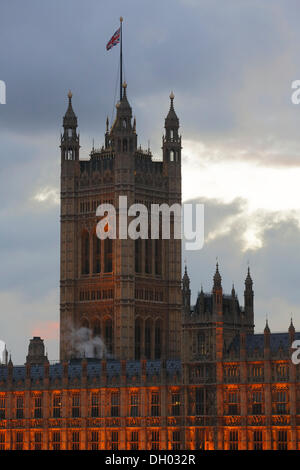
x: 114, y: 40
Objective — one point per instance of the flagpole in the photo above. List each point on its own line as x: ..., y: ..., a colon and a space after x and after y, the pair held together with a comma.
x: 121, y: 58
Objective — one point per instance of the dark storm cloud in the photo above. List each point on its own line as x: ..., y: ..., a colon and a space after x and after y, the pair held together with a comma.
x: 274, y: 267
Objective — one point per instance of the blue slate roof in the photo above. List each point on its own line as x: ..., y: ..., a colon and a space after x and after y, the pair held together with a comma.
x: 152, y: 367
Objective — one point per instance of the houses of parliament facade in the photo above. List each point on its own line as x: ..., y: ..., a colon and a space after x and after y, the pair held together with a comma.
x: 140, y: 367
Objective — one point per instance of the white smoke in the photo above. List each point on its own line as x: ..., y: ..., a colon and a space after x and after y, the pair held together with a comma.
x: 3, y: 352
x: 86, y: 345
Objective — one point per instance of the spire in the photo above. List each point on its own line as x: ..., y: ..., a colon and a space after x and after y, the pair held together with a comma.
x: 186, y: 279
x: 248, y: 281
x: 267, y: 329
x: 233, y: 291
x: 70, y: 118
x: 172, y: 119
x: 291, y: 327
x: 217, y: 278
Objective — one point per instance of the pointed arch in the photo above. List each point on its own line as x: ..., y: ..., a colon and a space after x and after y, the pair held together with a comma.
x: 148, y: 338
x: 158, y: 339
x: 108, y: 335
x: 137, y: 338
x: 96, y: 327
x: 96, y: 253
x: 108, y: 253
x: 85, y: 252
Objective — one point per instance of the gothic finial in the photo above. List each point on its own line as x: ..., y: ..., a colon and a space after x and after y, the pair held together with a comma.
x: 267, y: 329
x: 107, y: 124
x: 70, y: 95
x: 217, y: 278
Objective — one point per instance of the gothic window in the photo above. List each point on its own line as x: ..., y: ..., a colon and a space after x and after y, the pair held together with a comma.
x: 124, y: 123
x: 96, y: 328
x: 134, y: 404
x: 148, y: 339
x: 56, y: 440
x: 20, y: 407
x: 155, y: 404
x: 37, y: 441
x: 95, y: 405
x: 172, y: 133
x: 155, y: 440
x: 257, y: 440
x: 282, y: 440
x: 75, y: 440
x: 76, y: 405
x: 115, y: 404
x: 172, y: 156
x: 19, y: 440
x: 138, y: 255
x: 2, y: 440
x: 109, y: 336
x: 157, y: 340
x: 148, y: 256
x: 134, y: 441
x: 114, y: 440
x: 69, y: 155
x: 233, y: 440
x: 201, y: 344
x: 124, y: 145
x: 56, y: 405
x: 233, y: 403
x: 108, y: 255
x: 96, y: 254
x: 280, y: 402
x: 158, y: 256
x: 2, y: 407
x: 175, y: 404
x: 137, y: 337
x: 37, y: 412
x: 176, y: 440
x: 199, y: 399
x: 85, y: 252
x: 70, y: 132
x: 257, y: 402
x: 94, y: 440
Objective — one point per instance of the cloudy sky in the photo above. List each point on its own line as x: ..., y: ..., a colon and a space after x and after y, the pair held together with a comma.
x: 231, y: 69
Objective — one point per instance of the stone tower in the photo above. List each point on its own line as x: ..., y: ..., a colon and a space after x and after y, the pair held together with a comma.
x: 124, y: 292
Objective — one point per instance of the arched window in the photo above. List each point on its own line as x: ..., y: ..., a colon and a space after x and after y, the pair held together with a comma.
x: 148, y: 336
x: 157, y: 339
x: 96, y: 327
x: 108, y: 255
x: 158, y: 256
x: 85, y: 252
x: 171, y: 133
x: 137, y: 339
x: 124, y: 145
x: 138, y: 255
x: 201, y: 344
x: 96, y: 254
x: 108, y: 329
x: 172, y: 156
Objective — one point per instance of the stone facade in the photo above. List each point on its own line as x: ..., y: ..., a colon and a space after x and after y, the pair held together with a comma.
x: 141, y: 368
